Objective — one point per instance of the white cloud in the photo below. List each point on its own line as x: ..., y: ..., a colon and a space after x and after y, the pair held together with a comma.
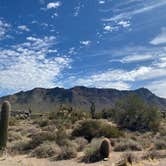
x: 158, y: 87
x: 124, y: 24
x: 23, y: 28
x: 85, y: 42
x: 145, y: 8
x: 53, y: 5
x: 108, y: 28
x: 124, y: 79
x: 4, y: 27
x: 101, y: 2
x: 27, y: 65
x: 160, y: 39
x: 135, y: 58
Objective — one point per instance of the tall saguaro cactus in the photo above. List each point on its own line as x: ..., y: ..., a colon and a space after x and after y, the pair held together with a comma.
x: 4, y: 121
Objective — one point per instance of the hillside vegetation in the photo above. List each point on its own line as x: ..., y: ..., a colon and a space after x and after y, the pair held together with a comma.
x: 132, y: 125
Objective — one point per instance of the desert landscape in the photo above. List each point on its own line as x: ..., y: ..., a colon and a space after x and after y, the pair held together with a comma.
x: 131, y: 133
x: 82, y: 83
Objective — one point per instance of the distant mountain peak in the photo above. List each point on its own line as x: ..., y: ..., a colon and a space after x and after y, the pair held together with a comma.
x: 79, y: 97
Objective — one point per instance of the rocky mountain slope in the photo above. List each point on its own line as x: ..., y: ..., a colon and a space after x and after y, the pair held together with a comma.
x: 43, y: 100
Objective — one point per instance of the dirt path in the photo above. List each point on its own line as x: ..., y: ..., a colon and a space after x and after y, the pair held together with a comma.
x: 26, y: 161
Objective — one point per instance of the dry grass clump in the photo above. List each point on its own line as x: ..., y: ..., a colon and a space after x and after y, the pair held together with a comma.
x: 68, y: 151
x: 13, y: 121
x: 127, y: 145
x: 160, y: 144
x: 97, y: 150
x: 18, y: 147
x: 14, y: 136
x: 81, y: 142
x: 126, y: 159
x: 42, y: 122
x: 91, y: 153
x: 46, y: 150
x: 39, y: 138
x: 154, y: 154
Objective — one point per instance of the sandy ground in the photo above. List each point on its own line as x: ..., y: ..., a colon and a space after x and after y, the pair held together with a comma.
x: 26, y: 161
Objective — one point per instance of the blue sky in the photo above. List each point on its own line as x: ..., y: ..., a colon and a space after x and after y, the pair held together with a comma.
x: 96, y: 43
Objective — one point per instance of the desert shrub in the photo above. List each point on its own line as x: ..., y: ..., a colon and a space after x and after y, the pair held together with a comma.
x: 40, y: 137
x: 154, y: 155
x: 95, y: 128
x: 92, y: 152
x: 134, y: 114
x: 107, y: 113
x: 42, y: 122
x: 69, y: 115
x: 160, y: 144
x: 46, y: 150
x: 68, y: 151
x: 127, y: 145
x: 14, y: 136
x: 126, y: 159
x: 13, y: 121
x: 61, y: 136
x: 18, y: 147
x: 81, y: 143
x: 162, y: 129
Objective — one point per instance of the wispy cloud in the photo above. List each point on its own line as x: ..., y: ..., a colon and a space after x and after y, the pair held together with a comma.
x: 28, y: 65
x: 134, y: 58
x: 125, y: 79
x: 159, y: 39
x: 145, y: 8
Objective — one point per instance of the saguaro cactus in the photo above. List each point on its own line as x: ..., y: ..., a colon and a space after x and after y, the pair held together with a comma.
x: 105, y: 148
x: 5, y: 111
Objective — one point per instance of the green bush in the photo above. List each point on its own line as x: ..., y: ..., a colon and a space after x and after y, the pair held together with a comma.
x: 95, y: 128
x: 134, y: 114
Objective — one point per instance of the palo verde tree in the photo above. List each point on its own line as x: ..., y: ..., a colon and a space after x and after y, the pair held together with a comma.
x: 134, y: 114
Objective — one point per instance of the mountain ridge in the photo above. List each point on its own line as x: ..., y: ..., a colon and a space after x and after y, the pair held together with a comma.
x: 79, y: 97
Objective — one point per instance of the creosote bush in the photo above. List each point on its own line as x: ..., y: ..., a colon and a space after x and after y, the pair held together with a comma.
x: 81, y: 143
x: 95, y: 128
x: 46, y: 150
x: 127, y: 145
x: 68, y: 150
